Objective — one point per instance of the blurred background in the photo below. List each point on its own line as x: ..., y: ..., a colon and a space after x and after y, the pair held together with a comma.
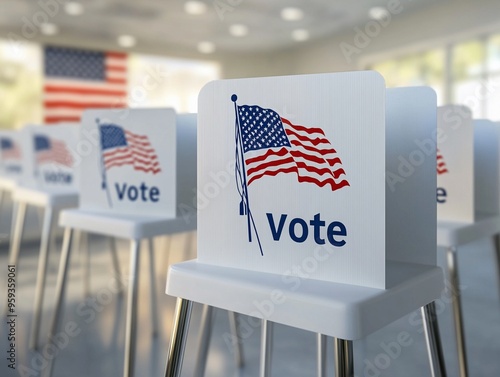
x: 172, y: 48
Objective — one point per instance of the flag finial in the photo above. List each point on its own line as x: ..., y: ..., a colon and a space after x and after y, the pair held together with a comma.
x: 234, y: 97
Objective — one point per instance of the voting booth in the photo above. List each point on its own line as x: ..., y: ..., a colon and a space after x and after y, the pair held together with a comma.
x: 318, y: 197
x: 138, y: 169
x: 132, y: 162
x: 291, y: 145
x: 49, y: 181
x: 467, y: 196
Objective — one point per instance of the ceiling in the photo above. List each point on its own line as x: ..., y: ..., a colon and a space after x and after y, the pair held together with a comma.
x: 164, y: 25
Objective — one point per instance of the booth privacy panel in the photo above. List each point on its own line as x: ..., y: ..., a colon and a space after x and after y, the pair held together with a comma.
x: 486, y: 167
x: 411, y: 175
x: 130, y: 166
x: 291, y: 177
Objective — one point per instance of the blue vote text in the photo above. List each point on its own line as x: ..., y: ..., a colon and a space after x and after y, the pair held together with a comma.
x: 59, y: 177
x: 299, y: 229
x: 441, y: 195
x: 142, y: 192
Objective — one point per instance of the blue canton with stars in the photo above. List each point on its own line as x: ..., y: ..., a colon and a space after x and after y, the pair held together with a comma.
x: 261, y: 128
x: 112, y: 136
x: 77, y: 64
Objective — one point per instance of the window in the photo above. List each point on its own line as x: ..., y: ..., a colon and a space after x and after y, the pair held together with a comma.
x: 464, y: 73
x: 20, y: 84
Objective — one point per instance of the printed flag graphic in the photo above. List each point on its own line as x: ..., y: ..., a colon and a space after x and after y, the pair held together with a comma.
x: 10, y: 149
x: 48, y: 150
x: 441, y: 164
x: 76, y: 80
x: 268, y: 144
x: 121, y: 147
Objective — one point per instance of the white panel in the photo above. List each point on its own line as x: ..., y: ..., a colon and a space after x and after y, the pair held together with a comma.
x: 186, y: 166
x: 128, y: 188
x: 486, y: 166
x: 292, y: 217
x: 411, y: 175
x: 455, y: 181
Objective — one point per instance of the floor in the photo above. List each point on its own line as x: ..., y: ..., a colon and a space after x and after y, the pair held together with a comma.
x: 97, y: 348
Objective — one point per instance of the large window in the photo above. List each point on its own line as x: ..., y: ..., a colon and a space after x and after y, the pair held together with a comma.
x: 20, y: 84
x: 463, y: 73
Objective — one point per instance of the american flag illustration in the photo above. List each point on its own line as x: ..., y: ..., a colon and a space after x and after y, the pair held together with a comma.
x: 121, y: 147
x: 76, y: 80
x: 49, y: 150
x: 441, y: 164
x: 10, y: 149
x: 268, y: 144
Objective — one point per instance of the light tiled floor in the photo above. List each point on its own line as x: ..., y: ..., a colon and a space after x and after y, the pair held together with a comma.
x: 98, y: 348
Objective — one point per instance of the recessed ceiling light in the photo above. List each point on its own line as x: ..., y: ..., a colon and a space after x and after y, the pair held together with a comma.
x: 195, y: 7
x: 238, y: 30
x: 378, y: 13
x: 292, y: 14
x: 49, y: 28
x: 206, y: 47
x: 300, y: 35
x: 127, y: 41
x: 73, y: 8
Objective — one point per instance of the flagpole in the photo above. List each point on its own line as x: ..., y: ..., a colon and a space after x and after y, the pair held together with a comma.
x: 103, y: 169
x: 234, y: 98
x: 250, y: 220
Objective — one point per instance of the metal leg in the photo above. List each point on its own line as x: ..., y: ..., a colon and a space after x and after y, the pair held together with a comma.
x: 17, y: 232
x: 152, y: 287
x: 321, y: 339
x: 457, y: 311
x: 179, y: 338
x: 85, y: 254
x: 18, y: 217
x: 238, y: 349
x: 60, y: 291
x: 433, y: 340
x: 130, y: 329
x: 116, y: 264
x: 266, y: 348
x: 41, y: 274
x: 206, y: 324
x: 497, y: 257
x: 344, y: 365
x: 13, y: 221
x: 78, y: 249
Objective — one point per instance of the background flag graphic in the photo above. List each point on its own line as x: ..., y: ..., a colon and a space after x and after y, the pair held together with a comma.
x: 76, y: 80
x: 10, y: 149
x: 49, y: 150
x: 121, y: 147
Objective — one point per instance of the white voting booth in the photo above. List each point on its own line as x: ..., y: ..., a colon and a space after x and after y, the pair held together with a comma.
x: 12, y: 166
x: 319, y: 213
x: 48, y: 182
x: 467, y: 194
x: 131, y: 188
